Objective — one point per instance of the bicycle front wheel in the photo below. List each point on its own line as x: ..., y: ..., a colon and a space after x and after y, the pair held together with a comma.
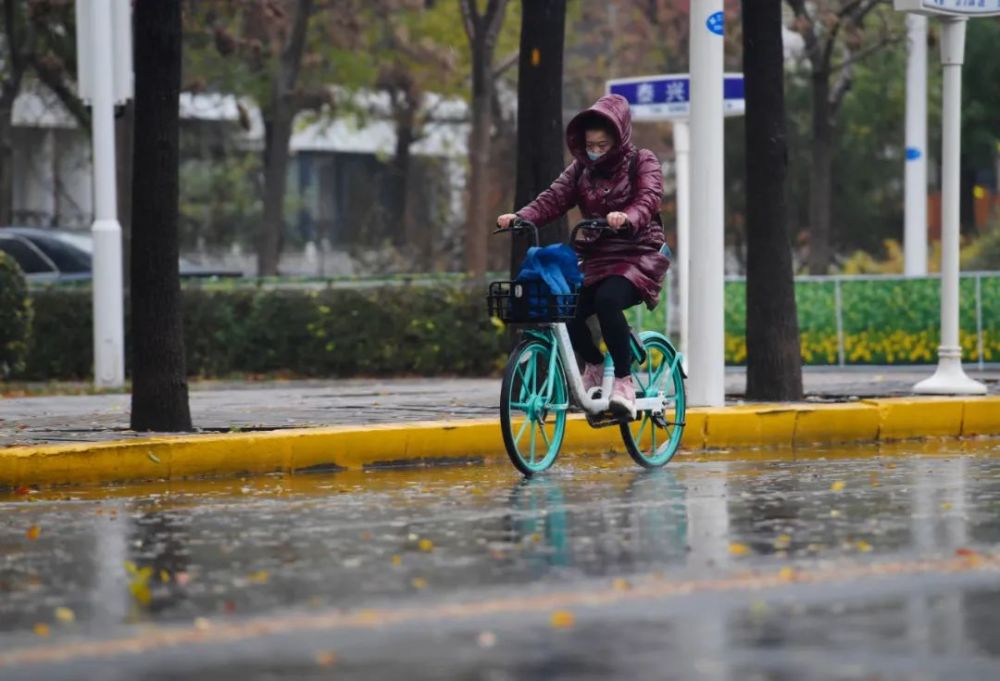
x: 653, y: 438
x: 534, y: 399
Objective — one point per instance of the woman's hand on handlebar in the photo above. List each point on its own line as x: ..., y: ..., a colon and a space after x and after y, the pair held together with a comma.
x: 617, y: 220
x: 506, y: 220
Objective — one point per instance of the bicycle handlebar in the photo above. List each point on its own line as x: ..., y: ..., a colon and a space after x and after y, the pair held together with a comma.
x: 519, y: 225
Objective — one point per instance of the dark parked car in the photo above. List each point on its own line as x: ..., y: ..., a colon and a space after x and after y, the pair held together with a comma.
x: 51, y: 255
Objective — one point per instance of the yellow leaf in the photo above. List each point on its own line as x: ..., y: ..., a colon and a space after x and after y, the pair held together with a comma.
x: 396, y: 560
x: 562, y: 619
x: 164, y: 576
x: 834, y: 513
x: 620, y: 584
x: 738, y: 549
x: 201, y: 624
x: 419, y: 583
x: 326, y: 658
x: 946, y: 506
x: 65, y: 615
x: 42, y: 629
x: 838, y: 486
x: 782, y: 541
x: 33, y: 532
x: 259, y: 577
x: 425, y: 545
x: 863, y: 546
x: 787, y: 574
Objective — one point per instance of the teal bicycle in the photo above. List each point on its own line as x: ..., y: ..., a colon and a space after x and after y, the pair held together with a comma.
x: 542, y: 381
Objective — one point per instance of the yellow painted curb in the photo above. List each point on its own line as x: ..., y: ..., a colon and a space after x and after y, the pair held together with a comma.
x: 359, y: 447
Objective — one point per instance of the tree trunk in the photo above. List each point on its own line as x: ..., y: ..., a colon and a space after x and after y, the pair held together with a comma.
x: 821, y: 176
x: 159, y: 383
x: 400, y: 170
x: 477, y: 225
x: 6, y: 163
x: 277, y: 134
x: 539, y: 113
x: 774, y: 367
x: 124, y: 128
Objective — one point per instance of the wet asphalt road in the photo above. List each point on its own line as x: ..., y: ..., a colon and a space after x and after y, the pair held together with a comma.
x: 830, y: 564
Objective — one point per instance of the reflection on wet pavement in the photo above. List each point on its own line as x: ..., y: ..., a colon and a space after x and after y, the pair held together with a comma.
x: 109, y: 563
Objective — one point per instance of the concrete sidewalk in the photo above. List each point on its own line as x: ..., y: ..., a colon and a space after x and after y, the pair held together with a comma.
x: 219, y: 406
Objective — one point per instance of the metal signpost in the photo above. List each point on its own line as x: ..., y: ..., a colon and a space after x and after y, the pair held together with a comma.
x: 104, y: 59
x: 950, y: 378
x: 915, y: 165
x: 667, y: 97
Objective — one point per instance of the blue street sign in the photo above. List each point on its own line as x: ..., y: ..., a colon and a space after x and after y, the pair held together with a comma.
x: 960, y: 8
x: 717, y: 23
x: 668, y: 97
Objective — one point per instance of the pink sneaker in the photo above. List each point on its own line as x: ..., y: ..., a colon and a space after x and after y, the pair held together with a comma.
x: 623, y: 397
x: 593, y: 376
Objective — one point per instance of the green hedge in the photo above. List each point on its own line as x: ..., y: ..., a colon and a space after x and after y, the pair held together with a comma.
x: 15, y: 316
x: 418, y: 330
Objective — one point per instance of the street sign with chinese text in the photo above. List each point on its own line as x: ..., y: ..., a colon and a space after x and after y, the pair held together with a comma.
x: 954, y: 8
x: 668, y: 97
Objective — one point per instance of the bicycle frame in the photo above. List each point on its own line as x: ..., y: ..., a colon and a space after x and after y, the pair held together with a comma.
x: 556, y: 336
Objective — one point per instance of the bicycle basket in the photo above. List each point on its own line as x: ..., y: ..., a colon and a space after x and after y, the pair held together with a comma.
x: 529, y: 302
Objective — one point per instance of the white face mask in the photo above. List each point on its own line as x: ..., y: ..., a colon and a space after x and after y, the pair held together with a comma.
x: 593, y: 155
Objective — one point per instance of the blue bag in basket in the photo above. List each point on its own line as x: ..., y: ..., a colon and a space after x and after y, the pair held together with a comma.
x: 556, y: 266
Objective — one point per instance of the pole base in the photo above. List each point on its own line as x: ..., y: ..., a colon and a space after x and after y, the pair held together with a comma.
x: 950, y: 378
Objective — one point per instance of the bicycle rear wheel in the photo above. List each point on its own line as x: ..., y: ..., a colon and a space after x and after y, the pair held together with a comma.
x: 533, y: 405
x: 654, y: 437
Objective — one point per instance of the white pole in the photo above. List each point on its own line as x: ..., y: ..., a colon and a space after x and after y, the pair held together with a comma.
x: 950, y: 378
x: 109, y: 346
x: 915, y: 170
x: 682, y: 149
x: 706, y: 341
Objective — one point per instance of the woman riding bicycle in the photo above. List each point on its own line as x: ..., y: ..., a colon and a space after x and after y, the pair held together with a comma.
x: 610, y: 178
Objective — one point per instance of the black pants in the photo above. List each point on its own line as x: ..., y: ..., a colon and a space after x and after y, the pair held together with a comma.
x: 607, y: 299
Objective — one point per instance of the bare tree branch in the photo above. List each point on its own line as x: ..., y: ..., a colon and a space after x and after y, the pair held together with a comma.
x: 507, y: 62
x: 496, y: 11
x: 53, y: 79
x: 470, y: 18
x: 855, y: 57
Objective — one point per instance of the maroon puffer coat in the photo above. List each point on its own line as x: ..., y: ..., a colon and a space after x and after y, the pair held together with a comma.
x: 603, y: 186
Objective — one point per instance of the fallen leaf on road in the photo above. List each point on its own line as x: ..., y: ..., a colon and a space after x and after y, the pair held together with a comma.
x: 621, y: 584
x: 787, y: 574
x: 425, y: 545
x: 945, y: 506
x: 782, y: 541
x: 838, y: 486
x: 42, y: 629
x: 863, y: 546
x: 326, y: 658
x: 562, y: 619
x: 153, y: 457
x: 139, y: 582
x: 259, y: 577
x: 65, y: 615
x: 21, y: 491
x: 397, y: 561
x: 419, y: 583
x: 737, y: 549
x: 33, y: 532
x: 164, y: 576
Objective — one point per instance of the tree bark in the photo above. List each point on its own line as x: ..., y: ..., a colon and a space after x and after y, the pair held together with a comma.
x: 405, y: 115
x: 159, y: 382
x: 821, y: 175
x: 774, y: 367
x: 6, y: 163
x: 539, y: 113
x: 482, y: 30
x: 278, y: 119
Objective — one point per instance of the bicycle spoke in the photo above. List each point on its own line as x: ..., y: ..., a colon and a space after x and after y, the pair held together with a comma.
x: 517, y: 438
x: 548, y: 444
x: 652, y: 451
x: 532, y: 445
x: 642, y: 428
